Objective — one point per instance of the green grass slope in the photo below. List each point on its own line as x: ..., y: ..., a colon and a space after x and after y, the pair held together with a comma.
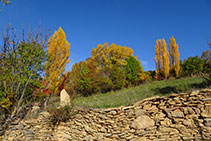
x: 130, y: 95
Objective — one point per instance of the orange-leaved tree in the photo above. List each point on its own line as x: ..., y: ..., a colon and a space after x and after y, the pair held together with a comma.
x: 58, y: 54
x: 174, y: 56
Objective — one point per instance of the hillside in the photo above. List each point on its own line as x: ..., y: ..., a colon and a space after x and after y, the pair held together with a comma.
x: 183, y: 116
x: 129, y: 96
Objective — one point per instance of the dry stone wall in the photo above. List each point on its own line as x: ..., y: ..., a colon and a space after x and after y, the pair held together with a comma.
x: 185, y: 116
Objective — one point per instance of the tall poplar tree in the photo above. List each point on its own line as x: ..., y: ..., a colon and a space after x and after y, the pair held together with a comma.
x: 161, y: 58
x: 174, y: 56
x: 58, y: 54
x: 157, y: 57
x: 164, y: 59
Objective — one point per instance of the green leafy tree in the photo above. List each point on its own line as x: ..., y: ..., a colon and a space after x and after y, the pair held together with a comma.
x: 80, y: 78
x: 192, y: 66
x: 206, y: 59
x: 134, y: 71
x: 21, y: 62
x: 207, y: 56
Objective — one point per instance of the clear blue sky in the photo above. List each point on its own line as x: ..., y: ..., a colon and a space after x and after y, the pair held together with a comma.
x: 133, y: 23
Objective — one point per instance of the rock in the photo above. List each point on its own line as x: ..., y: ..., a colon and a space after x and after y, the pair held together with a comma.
x: 207, y: 122
x: 195, y: 93
x: 107, y: 134
x: 142, y: 122
x: 177, y: 114
x: 159, y: 116
x: 153, y: 109
x: 147, y: 106
x: 103, y: 130
x: 166, y: 118
x: 168, y: 130
x: 143, y: 139
x: 113, y: 112
x: 140, y: 112
x: 206, y: 112
x: 189, y: 122
x: 188, y: 110
x: 166, y: 122
x: 88, y: 129
x: 64, y: 98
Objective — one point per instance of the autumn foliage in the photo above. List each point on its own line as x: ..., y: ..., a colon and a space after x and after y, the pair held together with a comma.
x: 174, y: 56
x: 109, y: 68
x: 161, y: 58
x: 58, y: 54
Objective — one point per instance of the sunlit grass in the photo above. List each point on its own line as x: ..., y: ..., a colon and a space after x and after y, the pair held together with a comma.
x: 130, y: 95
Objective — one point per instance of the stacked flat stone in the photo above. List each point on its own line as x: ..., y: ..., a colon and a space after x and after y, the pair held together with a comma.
x: 175, y: 117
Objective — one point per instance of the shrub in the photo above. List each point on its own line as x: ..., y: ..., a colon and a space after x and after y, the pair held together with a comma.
x: 61, y: 114
x: 180, y: 88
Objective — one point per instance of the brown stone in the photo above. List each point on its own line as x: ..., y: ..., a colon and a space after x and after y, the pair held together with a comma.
x: 177, y: 114
x: 195, y: 93
x: 142, y: 122
x: 153, y: 109
x: 147, y: 106
x: 140, y: 112
x: 159, y: 116
x: 168, y: 130
x: 64, y: 98
x: 188, y: 110
x: 206, y: 113
x: 166, y: 122
x: 189, y: 122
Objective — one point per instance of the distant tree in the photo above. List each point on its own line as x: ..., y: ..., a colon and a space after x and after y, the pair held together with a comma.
x: 133, y: 71
x: 174, y: 56
x: 58, y: 54
x: 206, y: 59
x: 192, y: 66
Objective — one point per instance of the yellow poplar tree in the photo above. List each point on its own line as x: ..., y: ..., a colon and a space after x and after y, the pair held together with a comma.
x: 161, y: 58
x: 58, y: 54
x: 157, y: 57
x: 164, y: 59
x: 174, y: 56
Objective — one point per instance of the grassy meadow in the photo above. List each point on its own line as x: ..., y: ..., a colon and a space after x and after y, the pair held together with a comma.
x: 128, y: 96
